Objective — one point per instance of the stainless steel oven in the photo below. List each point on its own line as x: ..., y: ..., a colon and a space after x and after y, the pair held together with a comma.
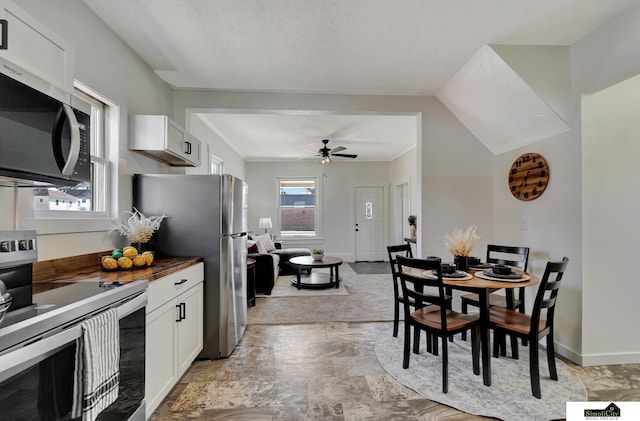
x: 38, y: 344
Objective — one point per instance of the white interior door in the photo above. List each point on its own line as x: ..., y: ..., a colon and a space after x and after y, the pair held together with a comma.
x: 369, y: 223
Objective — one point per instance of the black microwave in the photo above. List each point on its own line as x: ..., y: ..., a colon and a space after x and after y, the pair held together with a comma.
x: 44, y: 131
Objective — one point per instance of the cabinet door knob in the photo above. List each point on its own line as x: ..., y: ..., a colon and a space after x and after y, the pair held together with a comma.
x: 179, y: 307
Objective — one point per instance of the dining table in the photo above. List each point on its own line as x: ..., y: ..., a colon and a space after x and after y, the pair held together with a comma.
x: 478, y: 282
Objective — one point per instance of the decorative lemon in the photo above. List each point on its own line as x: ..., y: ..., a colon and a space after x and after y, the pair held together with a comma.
x: 125, y: 262
x: 139, y: 260
x: 116, y: 254
x: 129, y: 251
x: 109, y: 263
x: 148, y: 257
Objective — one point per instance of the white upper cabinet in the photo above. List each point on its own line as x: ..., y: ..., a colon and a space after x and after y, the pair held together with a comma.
x: 30, y: 45
x: 160, y: 138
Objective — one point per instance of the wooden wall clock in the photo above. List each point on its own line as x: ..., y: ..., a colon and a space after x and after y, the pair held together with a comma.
x: 528, y: 176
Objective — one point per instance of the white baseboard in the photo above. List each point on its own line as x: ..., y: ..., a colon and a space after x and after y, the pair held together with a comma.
x: 568, y: 353
x: 586, y: 360
x: 611, y: 359
x: 346, y: 257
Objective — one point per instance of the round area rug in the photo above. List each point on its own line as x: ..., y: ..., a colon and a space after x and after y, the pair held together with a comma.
x: 509, y: 396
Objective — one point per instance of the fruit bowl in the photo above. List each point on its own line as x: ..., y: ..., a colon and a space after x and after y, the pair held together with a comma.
x: 127, y: 258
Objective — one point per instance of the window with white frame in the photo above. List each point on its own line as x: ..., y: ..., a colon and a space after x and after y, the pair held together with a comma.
x: 216, y: 165
x: 298, y: 207
x: 89, y: 199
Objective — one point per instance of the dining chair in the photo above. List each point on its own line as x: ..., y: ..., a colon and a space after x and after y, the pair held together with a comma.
x: 533, y: 327
x: 503, y: 255
x: 393, y: 251
x: 431, y: 313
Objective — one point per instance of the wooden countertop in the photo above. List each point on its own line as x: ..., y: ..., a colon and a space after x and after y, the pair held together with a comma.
x: 85, y: 268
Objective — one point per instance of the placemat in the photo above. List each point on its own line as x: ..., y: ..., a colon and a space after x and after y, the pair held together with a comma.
x: 483, y: 275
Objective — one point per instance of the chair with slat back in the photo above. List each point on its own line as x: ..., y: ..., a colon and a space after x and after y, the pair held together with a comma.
x: 503, y: 255
x: 430, y: 312
x: 533, y: 328
x: 393, y: 251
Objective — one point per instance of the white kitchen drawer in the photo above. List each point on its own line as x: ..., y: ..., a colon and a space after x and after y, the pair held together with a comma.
x: 169, y: 287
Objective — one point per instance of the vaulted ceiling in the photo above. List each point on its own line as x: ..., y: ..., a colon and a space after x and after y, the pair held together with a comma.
x: 373, y: 47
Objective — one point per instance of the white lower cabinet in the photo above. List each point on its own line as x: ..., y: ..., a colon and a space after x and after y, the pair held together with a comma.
x: 174, y: 331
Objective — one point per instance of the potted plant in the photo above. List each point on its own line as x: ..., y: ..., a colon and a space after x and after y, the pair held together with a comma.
x: 412, y: 224
x: 317, y: 254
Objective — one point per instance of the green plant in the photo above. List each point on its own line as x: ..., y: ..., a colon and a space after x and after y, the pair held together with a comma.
x: 317, y: 251
x: 412, y: 219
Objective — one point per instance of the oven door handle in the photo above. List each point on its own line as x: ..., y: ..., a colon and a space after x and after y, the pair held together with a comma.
x: 26, y: 356
x: 132, y: 305
x: 42, y: 348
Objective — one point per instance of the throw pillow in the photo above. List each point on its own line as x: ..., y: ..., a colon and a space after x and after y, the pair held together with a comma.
x: 266, y: 240
x: 260, y: 246
x: 252, y: 247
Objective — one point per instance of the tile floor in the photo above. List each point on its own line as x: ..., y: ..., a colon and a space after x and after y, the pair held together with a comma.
x: 329, y: 371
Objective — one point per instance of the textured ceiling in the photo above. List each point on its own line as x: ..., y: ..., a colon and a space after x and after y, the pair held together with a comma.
x: 379, y: 47
x: 371, y: 137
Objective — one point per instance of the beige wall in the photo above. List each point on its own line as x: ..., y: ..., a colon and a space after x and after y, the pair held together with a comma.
x: 212, y: 143
x: 610, y: 188
x: 402, y: 170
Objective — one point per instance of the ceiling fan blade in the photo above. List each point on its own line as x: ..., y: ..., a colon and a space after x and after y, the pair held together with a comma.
x: 337, y: 149
x: 345, y: 155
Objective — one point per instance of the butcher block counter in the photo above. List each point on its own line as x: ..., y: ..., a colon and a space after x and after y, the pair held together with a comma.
x: 86, y: 267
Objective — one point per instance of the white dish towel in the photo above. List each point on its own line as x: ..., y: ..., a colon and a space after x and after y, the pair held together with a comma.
x: 97, y: 370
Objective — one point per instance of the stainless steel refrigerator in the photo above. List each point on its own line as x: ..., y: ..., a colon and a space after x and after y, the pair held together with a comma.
x: 207, y: 217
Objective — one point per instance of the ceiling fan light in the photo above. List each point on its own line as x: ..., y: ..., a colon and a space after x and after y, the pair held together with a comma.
x: 325, y: 160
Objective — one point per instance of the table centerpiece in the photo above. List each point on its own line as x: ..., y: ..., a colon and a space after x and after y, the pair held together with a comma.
x: 460, y: 243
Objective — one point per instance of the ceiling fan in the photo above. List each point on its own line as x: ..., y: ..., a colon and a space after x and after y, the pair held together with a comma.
x: 325, y: 153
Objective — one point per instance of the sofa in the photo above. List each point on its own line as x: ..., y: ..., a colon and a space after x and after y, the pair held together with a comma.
x: 271, y: 261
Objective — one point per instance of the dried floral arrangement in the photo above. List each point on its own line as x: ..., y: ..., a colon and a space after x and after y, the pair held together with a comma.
x: 460, y: 242
x: 138, y: 228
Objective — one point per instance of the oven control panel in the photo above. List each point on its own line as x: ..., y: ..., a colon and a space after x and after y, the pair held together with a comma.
x: 18, y: 247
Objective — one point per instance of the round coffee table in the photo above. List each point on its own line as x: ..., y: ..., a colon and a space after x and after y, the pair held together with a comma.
x: 316, y: 279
